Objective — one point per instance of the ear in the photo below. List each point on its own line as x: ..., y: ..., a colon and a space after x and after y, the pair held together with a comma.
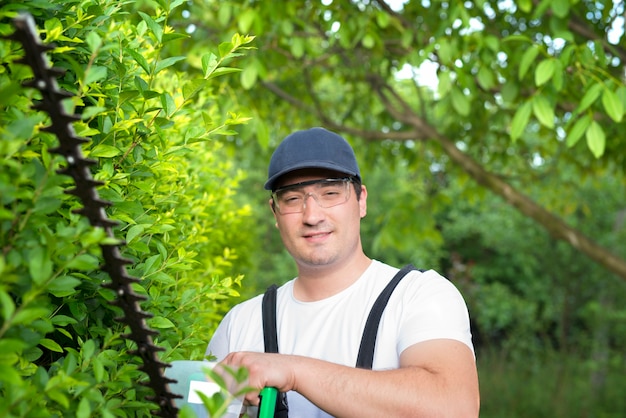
x: 271, y: 204
x: 363, y: 202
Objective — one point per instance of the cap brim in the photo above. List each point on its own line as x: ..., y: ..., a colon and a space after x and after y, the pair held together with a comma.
x: 269, y: 184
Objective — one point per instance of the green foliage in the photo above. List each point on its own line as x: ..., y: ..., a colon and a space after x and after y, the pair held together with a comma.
x: 155, y: 133
x: 528, y: 293
x: 548, y: 385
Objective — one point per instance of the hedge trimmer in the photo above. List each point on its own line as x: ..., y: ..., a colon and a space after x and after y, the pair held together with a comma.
x: 78, y: 167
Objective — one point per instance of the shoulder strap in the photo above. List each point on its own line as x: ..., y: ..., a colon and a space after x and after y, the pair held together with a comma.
x: 368, y: 341
x: 270, y: 336
x: 270, y: 339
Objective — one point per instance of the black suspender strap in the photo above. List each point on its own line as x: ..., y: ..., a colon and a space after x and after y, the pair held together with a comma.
x: 368, y: 340
x: 270, y: 336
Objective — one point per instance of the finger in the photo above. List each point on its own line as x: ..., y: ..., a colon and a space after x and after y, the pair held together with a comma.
x: 253, y: 398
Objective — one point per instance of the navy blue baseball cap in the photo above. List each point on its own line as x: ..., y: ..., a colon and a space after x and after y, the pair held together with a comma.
x: 312, y: 148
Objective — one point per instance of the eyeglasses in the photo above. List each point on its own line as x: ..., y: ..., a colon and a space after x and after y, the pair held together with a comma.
x: 326, y: 192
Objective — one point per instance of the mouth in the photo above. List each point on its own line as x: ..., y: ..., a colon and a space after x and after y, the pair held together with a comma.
x: 316, y: 235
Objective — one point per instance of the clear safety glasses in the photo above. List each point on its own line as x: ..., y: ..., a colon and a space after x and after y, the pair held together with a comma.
x: 326, y: 192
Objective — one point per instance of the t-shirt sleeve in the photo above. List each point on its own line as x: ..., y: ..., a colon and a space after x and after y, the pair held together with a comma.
x: 218, y: 347
x: 435, y: 310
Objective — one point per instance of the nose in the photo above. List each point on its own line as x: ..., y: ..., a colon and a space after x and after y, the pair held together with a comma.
x: 313, y: 213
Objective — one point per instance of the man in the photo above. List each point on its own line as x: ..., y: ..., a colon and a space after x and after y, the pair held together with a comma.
x: 424, y: 363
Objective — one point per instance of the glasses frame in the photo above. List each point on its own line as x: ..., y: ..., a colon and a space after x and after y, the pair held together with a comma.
x: 276, y: 205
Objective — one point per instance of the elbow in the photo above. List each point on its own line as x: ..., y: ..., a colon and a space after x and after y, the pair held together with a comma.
x: 462, y: 406
x: 466, y: 408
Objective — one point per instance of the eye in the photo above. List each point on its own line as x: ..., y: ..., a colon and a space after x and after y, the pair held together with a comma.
x: 289, y: 198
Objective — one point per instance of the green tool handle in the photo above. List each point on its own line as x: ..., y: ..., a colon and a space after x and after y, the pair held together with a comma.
x: 268, y: 402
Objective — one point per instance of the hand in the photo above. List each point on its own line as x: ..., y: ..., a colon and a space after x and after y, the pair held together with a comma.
x: 264, y: 370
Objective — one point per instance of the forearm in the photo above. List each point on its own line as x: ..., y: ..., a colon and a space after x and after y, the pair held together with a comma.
x: 405, y: 392
x: 436, y: 379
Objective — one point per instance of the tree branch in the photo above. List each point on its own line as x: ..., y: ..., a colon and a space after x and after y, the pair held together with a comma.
x: 552, y: 223
x: 331, y: 124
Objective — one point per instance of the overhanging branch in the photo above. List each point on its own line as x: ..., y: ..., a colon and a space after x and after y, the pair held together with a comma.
x: 400, y: 110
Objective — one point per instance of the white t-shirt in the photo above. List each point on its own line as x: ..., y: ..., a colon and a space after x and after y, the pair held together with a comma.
x: 423, y: 307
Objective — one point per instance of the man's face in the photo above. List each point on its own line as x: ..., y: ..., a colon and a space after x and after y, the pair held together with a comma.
x: 318, y: 236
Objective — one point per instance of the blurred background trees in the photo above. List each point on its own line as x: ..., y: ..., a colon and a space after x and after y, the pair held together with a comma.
x: 490, y: 136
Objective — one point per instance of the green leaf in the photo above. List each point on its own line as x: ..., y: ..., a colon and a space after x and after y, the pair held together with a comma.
x: 297, y: 47
x: 596, y: 139
x: 174, y: 4
x: 558, y: 77
x: 368, y: 41
x: 544, y: 72
x: 94, y: 41
x: 88, y: 349
x: 84, y: 262
x: 63, y: 320
x: 249, y: 76
x: 160, y: 322
x: 225, y: 50
x: 445, y: 51
x: 104, y: 151
x: 173, y: 36
x: 39, y: 265
x: 621, y: 94
x: 169, y: 106
x: 486, y: 78
x: 591, y: 95
x: 578, y: 130
x: 84, y: 408
x: 46, y: 205
x: 139, y: 59
x: 492, y: 42
x: 560, y: 7
x: 7, y: 305
x: 10, y: 376
x: 59, y: 397
x: 224, y: 13
x: 28, y: 315
x: 11, y: 345
x: 245, y: 20
x: 223, y: 71
x: 520, y: 121
x: 543, y: 111
x: 134, y: 231
x: 51, y: 345
x: 612, y: 105
x: 445, y: 83
x: 94, y: 74
x: 155, y: 28
x: 382, y: 19
x: 191, y: 88
x: 91, y: 111
x: 460, y: 102
x: 527, y: 60
x: 54, y: 29
x: 98, y: 369
x: 167, y: 62
x: 209, y: 63
x: 64, y: 285
x: 151, y: 264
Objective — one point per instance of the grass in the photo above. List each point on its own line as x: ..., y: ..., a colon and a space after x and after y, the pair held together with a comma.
x: 551, y: 385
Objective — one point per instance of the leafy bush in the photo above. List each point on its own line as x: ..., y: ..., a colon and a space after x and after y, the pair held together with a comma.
x: 154, y: 131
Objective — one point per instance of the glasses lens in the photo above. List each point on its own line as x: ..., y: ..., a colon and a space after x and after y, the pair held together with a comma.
x: 327, y: 193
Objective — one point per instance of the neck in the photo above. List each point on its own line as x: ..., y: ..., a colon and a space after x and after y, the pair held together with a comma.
x: 321, y: 282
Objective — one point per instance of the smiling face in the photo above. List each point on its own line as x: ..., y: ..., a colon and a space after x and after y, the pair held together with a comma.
x: 322, y: 237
